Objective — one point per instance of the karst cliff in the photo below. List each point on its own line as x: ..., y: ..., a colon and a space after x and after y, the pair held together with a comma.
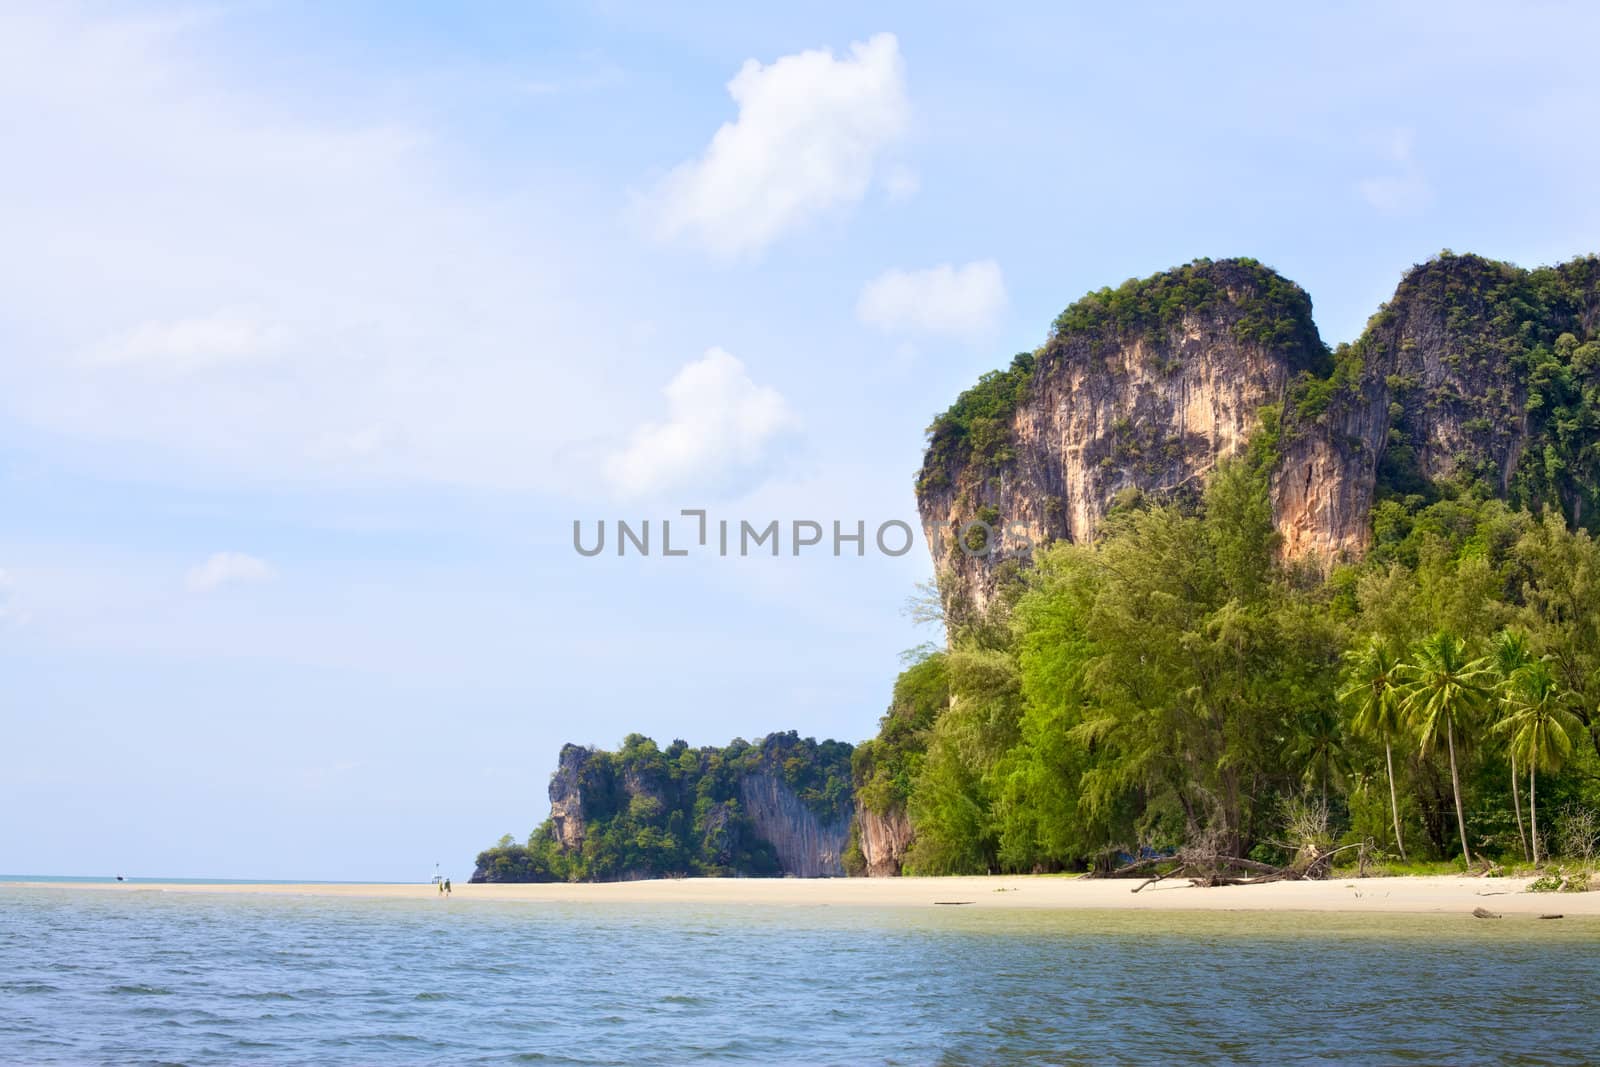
x: 1144, y: 388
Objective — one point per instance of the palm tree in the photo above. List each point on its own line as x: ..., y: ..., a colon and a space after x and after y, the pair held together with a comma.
x: 1374, y: 695
x: 1510, y: 655
x: 1443, y: 689
x: 1541, y: 730
x: 1319, y: 746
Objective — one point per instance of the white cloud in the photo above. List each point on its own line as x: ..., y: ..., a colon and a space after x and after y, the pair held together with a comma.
x: 1403, y: 191
x: 226, y: 568
x: 810, y: 131
x: 192, y: 344
x: 211, y: 276
x: 718, y: 421
x: 964, y: 301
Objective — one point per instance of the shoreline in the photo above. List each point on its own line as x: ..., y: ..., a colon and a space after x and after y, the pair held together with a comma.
x: 1404, y: 894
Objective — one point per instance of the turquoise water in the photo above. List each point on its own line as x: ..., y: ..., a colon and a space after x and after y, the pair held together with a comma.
x: 148, y: 977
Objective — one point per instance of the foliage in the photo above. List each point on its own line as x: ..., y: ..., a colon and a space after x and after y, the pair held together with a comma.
x: 654, y: 813
x: 1173, y: 681
x: 883, y: 768
x: 1273, y: 311
x: 977, y: 428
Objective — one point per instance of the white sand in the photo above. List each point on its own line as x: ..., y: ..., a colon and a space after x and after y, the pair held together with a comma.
x: 1403, y: 894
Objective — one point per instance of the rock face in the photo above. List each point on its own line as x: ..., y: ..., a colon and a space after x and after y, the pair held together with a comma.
x: 1436, y: 390
x: 884, y: 839
x: 1142, y: 390
x: 807, y: 847
x: 566, y: 795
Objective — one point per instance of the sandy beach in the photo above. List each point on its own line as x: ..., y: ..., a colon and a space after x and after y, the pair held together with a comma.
x: 1505, y: 896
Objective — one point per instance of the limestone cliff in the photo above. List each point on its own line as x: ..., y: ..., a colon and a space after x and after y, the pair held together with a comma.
x: 778, y: 806
x: 1143, y: 389
x: 883, y: 839
x: 807, y: 846
x: 1436, y: 391
x: 566, y: 794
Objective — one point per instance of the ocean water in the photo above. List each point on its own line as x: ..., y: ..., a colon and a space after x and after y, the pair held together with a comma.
x: 140, y: 976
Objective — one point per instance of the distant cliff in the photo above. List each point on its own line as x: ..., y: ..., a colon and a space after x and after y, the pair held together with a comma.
x: 1142, y: 389
x: 778, y: 807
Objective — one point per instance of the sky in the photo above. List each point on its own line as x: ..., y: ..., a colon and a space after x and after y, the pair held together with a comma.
x: 321, y: 325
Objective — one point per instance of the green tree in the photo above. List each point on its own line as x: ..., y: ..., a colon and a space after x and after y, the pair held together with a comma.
x: 1443, y: 690
x: 1373, y: 693
x: 1541, y: 730
x: 1510, y: 655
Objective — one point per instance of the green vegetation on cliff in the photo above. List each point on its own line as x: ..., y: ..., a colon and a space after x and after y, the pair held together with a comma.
x: 1509, y: 341
x: 884, y: 768
x: 1275, y: 311
x: 644, y: 812
x: 977, y: 428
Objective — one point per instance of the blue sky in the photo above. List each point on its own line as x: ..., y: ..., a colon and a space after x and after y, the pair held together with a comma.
x: 320, y: 324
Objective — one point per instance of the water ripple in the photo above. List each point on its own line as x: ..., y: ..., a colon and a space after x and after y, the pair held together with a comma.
x: 97, y: 978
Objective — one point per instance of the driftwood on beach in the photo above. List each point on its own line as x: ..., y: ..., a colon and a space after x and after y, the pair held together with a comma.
x: 1206, y: 868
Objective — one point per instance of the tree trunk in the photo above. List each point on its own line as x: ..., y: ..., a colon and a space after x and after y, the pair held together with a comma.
x: 1394, y: 803
x: 1516, y: 806
x: 1533, y: 810
x: 1455, y: 785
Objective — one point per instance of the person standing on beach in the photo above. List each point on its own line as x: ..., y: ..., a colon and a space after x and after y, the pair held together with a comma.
x: 447, y: 887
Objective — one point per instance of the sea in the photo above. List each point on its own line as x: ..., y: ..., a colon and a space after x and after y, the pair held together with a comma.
x: 140, y: 976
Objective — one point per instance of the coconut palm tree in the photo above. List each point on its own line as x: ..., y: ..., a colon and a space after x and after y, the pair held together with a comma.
x: 1319, y: 747
x: 1510, y: 654
x: 1541, y: 730
x: 1443, y: 688
x: 1373, y: 694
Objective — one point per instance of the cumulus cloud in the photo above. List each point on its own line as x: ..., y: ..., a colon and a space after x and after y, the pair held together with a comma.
x: 227, y: 568
x: 963, y: 301
x: 810, y: 133
x: 1405, y: 189
x: 718, y: 421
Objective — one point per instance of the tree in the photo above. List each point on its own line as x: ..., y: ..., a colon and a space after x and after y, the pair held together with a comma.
x: 1511, y: 655
x: 1374, y: 694
x: 1443, y: 689
x: 1541, y: 730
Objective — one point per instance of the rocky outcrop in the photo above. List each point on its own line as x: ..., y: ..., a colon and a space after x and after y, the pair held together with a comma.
x: 884, y: 839
x: 567, y: 793
x: 1138, y: 390
x: 1436, y: 390
x: 807, y: 847
x: 1143, y: 389
x: 778, y: 806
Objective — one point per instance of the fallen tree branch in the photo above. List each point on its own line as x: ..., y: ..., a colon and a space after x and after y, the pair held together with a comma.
x: 1214, y: 871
